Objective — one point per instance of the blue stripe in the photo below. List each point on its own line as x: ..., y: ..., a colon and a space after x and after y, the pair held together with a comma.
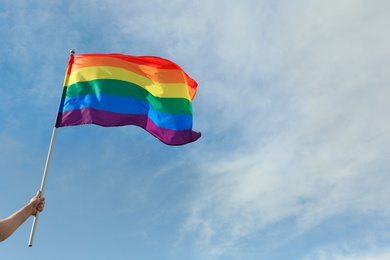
x: 128, y: 105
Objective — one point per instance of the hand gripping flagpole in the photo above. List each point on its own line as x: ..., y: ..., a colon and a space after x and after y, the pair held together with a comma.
x: 30, y: 242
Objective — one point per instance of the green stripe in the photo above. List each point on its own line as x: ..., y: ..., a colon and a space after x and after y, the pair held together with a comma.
x: 122, y: 88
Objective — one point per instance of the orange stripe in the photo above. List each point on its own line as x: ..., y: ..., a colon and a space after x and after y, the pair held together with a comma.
x: 155, y: 74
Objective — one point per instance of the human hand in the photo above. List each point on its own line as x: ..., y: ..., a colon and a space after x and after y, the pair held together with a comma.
x: 37, y: 203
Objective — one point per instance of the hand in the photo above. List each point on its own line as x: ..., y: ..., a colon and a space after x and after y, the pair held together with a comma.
x: 37, y: 203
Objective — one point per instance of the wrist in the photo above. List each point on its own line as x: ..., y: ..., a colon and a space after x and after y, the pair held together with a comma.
x: 30, y: 209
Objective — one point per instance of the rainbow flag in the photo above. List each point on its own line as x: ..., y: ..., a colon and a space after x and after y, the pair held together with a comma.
x: 117, y: 90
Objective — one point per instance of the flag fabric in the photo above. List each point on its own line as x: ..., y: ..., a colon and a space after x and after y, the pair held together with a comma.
x: 116, y: 90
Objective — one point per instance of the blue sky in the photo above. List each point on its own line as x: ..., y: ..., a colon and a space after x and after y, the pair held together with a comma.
x: 293, y: 104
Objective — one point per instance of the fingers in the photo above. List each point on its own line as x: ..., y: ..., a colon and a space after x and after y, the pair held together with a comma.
x: 41, y: 204
x: 40, y: 207
x: 41, y: 201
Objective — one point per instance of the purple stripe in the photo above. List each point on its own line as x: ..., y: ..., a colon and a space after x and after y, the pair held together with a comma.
x: 106, y: 118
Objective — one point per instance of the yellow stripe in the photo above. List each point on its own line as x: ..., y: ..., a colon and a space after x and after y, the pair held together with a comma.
x: 163, y: 90
x: 66, y: 80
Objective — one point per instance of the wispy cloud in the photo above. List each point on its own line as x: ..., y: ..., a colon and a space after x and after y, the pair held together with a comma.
x: 365, y: 248
x: 292, y: 103
x: 313, y: 147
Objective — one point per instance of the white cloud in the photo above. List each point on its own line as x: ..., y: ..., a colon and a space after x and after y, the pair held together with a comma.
x: 313, y: 147
x: 364, y: 249
x: 292, y: 103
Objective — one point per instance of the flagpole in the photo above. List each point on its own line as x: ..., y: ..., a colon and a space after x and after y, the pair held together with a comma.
x: 34, y: 225
x: 30, y: 242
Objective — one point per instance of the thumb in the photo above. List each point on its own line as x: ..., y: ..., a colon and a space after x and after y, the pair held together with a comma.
x: 39, y: 194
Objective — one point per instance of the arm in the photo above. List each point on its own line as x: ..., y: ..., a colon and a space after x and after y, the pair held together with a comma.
x: 11, y: 223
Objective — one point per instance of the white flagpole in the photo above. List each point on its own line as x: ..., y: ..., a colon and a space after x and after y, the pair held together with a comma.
x: 30, y: 242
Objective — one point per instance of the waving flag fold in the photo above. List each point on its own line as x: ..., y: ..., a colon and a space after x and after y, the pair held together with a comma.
x: 117, y: 90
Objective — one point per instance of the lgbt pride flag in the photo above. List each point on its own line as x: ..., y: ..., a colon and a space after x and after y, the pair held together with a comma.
x: 117, y: 90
